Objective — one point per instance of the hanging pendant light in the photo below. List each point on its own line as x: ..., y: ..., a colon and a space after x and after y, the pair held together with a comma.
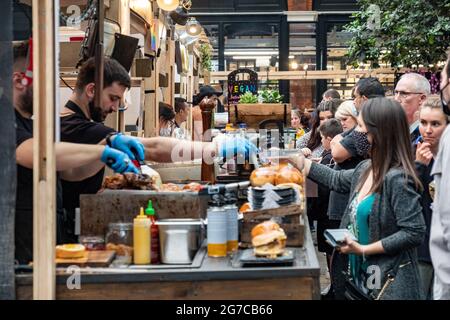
x: 168, y: 5
x: 193, y: 28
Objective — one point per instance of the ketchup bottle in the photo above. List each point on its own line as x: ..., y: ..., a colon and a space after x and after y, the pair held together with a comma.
x: 154, y: 234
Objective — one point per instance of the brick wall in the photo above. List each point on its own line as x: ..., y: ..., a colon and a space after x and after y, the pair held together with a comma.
x: 300, y: 5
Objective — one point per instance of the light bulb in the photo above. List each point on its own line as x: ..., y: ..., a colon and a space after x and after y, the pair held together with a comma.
x: 168, y: 5
x: 193, y: 27
x: 294, y: 65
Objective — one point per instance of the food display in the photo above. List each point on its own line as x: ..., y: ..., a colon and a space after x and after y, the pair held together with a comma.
x: 275, y: 175
x: 288, y: 174
x: 193, y: 187
x: 268, y: 240
x: 172, y: 187
x: 70, y: 251
x: 120, y: 249
x: 130, y: 181
x: 245, y: 207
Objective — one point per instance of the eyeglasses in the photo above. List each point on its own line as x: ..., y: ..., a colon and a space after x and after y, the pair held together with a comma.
x: 405, y: 94
x: 445, y: 107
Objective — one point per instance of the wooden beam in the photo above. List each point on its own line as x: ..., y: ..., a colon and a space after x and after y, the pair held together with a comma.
x: 44, y: 177
x: 312, y: 75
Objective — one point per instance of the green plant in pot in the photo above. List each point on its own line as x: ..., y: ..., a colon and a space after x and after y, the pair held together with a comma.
x: 248, y: 98
x: 271, y: 96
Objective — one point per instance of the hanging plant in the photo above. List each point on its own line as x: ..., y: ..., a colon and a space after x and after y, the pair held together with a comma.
x: 205, y: 55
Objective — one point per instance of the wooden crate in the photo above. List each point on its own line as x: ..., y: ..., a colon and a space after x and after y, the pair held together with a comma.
x: 293, y: 224
x: 254, y: 114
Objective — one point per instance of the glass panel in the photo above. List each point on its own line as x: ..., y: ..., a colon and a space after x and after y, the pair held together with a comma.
x: 302, y: 56
x: 251, y: 45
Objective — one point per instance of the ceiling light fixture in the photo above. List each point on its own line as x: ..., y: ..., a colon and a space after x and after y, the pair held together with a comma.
x: 193, y: 28
x: 168, y: 5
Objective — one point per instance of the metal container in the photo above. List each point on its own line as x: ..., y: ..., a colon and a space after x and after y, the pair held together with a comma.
x: 180, y: 239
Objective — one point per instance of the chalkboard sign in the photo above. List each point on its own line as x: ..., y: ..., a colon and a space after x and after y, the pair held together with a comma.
x: 237, y: 88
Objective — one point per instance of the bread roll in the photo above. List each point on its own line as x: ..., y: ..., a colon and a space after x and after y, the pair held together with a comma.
x: 262, y: 176
x: 288, y: 174
x: 70, y: 251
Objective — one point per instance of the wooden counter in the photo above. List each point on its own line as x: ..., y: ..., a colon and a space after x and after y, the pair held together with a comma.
x: 210, y: 279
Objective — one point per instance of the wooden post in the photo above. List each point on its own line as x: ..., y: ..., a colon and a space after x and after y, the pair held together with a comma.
x: 44, y: 178
x: 99, y: 57
x: 119, y: 10
x: 207, y: 107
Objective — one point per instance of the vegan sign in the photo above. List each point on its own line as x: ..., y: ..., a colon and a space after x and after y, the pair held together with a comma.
x: 236, y: 88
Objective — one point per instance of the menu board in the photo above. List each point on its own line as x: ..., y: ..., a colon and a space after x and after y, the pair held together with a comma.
x: 236, y: 87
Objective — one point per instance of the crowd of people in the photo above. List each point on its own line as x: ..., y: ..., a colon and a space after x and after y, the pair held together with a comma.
x: 377, y: 167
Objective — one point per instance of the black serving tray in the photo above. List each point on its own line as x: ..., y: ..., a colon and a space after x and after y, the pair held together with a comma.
x: 248, y: 259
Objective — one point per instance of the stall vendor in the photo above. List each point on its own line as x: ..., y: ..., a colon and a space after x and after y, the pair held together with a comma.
x: 71, y: 159
x: 82, y: 122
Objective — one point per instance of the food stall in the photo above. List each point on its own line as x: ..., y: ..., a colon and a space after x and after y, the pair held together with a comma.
x: 191, y: 255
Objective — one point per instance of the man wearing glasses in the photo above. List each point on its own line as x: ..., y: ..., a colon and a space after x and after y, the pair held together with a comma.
x: 411, y: 92
x: 440, y: 223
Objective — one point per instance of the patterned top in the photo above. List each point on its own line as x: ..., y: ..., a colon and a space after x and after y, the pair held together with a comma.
x: 303, y: 143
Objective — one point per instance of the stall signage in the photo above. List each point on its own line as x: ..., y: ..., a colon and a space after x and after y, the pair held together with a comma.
x: 236, y: 88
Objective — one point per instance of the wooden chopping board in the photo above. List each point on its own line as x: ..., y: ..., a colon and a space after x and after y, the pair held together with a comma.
x: 99, y: 259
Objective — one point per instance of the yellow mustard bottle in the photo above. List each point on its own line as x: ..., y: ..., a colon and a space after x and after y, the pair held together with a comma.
x: 141, y: 239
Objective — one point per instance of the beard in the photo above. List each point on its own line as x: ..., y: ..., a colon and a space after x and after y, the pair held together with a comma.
x: 26, y: 101
x: 97, y: 113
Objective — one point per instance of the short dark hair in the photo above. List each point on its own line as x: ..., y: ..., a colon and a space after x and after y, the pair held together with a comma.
x: 20, y: 55
x: 331, y: 128
x: 370, y: 88
x: 180, y: 104
x: 166, y: 112
x: 113, y: 72
x: 330, y: 105
x: 332, y: 93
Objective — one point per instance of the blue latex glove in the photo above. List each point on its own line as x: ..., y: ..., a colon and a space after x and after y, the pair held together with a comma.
x: 130, y: 145
x: 118, y: 161
x: 232, y: 146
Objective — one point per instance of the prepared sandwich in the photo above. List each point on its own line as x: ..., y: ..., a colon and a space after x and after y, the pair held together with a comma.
x: 268, y: 240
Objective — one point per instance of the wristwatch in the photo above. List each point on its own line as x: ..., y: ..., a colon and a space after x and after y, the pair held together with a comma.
x: 108, y: 138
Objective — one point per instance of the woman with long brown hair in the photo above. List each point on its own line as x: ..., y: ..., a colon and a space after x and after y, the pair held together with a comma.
x: 384, y: 213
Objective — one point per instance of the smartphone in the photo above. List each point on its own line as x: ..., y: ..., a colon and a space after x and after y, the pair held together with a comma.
x: 336, y: 237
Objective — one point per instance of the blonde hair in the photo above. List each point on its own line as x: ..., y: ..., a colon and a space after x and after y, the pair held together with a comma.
x: 346, y: 109
x: 434, y: 102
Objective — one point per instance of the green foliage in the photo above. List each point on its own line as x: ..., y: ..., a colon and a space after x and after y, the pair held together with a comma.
x: 271, y: 96
x: 205, y: 54
x: 400, y: 32
x: 248, y: 98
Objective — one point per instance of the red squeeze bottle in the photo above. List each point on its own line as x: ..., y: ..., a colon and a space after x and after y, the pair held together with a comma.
x: 154, y: 234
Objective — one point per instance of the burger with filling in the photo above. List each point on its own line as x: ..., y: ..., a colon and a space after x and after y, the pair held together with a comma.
x: 268, y: 240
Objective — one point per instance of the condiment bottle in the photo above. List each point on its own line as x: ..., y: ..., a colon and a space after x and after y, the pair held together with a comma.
x: 232, y: 212
x: 141, y: 239
x: 217, y: 228
x: 154, y: 234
